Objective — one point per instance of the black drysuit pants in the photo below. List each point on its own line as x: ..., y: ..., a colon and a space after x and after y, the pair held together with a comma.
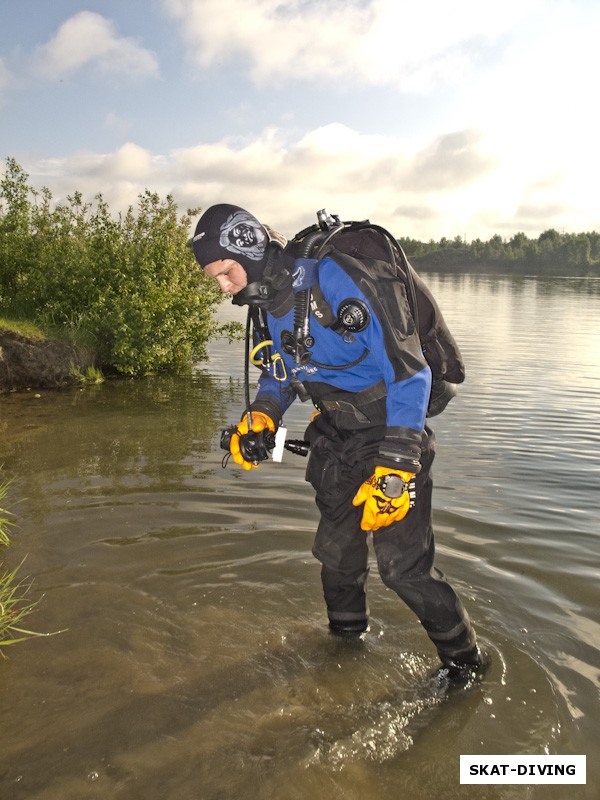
x: 339, y: 462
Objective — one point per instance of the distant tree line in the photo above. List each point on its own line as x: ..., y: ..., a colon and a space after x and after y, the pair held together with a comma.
x: 552, y: 253
x: 128, y: 286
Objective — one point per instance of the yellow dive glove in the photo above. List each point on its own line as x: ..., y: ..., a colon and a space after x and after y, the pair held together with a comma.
x: 248, y: 450
x: 388, y: 495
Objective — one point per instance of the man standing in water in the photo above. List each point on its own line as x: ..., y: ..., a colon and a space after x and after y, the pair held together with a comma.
x: 344, y: 330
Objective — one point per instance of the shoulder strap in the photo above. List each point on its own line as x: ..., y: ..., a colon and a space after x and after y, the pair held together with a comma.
x: 363, y: 240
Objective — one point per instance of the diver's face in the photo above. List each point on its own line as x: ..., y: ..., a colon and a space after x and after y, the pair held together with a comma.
x: 230, y: 275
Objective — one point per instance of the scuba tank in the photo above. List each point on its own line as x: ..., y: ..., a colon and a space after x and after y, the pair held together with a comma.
x: 330, y: 236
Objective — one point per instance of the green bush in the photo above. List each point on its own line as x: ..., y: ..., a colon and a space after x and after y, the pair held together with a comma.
x: 128, y: 285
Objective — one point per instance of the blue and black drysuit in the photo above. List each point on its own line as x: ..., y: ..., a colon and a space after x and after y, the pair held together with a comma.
x: 372, y: 388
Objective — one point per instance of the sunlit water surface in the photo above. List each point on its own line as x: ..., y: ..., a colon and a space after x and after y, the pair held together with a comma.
x: 192, y: 659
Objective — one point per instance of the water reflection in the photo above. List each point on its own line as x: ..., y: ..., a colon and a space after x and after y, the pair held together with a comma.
x: 121, y: 432
x: 491, y: 284
x: 196, y: 662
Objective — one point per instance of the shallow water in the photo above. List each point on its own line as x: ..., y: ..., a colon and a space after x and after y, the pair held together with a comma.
x: 193, y: 659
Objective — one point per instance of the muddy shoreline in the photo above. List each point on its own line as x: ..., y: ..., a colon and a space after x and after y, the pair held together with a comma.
x: 28, y: 362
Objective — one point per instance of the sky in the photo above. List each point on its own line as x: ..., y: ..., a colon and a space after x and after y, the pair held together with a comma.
x: 432, y: 118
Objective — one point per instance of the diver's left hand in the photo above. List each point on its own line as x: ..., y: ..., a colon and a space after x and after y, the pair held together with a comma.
x: 382, y: 509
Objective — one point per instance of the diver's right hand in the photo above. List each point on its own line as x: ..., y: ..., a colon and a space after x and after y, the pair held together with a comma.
x: 260, y: 422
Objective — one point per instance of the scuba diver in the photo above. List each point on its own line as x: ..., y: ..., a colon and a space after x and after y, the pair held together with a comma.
x: 341, y: 319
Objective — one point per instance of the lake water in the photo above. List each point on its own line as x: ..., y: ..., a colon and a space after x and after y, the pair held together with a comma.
x: 192, y: 659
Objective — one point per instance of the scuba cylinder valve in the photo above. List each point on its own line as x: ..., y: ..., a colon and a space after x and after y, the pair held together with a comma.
x: 327, y: 221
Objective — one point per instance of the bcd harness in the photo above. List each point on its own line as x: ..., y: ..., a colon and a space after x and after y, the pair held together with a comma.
x: 361, y: 249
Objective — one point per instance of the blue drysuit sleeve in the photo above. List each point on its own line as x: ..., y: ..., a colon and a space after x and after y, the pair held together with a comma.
x: 274, y: 396
x: 395, y: 355
x: 406, y: 401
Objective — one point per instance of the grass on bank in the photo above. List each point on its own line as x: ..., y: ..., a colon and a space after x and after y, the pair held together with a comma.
x: 22, y: 328
x: 14, y: 603
x: 87, y: 375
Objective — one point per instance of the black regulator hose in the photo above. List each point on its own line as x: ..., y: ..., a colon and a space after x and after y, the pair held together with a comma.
x: 247, y: 369
x: 308, y: 242
x: 301, y: 315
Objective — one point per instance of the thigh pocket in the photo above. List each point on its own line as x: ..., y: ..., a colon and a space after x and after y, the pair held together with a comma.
x: 329, y: 473
x: 323, y: 468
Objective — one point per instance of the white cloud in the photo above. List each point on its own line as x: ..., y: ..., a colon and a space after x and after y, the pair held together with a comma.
x: 455, y: 159
x: 412, y: 45
x: 454, y: 185
x: 130, y: 162
x: 538, y: 115
x: 512, y: 148
x: 417, y: 190
x: 89, y: 38
x: 119, y: 176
